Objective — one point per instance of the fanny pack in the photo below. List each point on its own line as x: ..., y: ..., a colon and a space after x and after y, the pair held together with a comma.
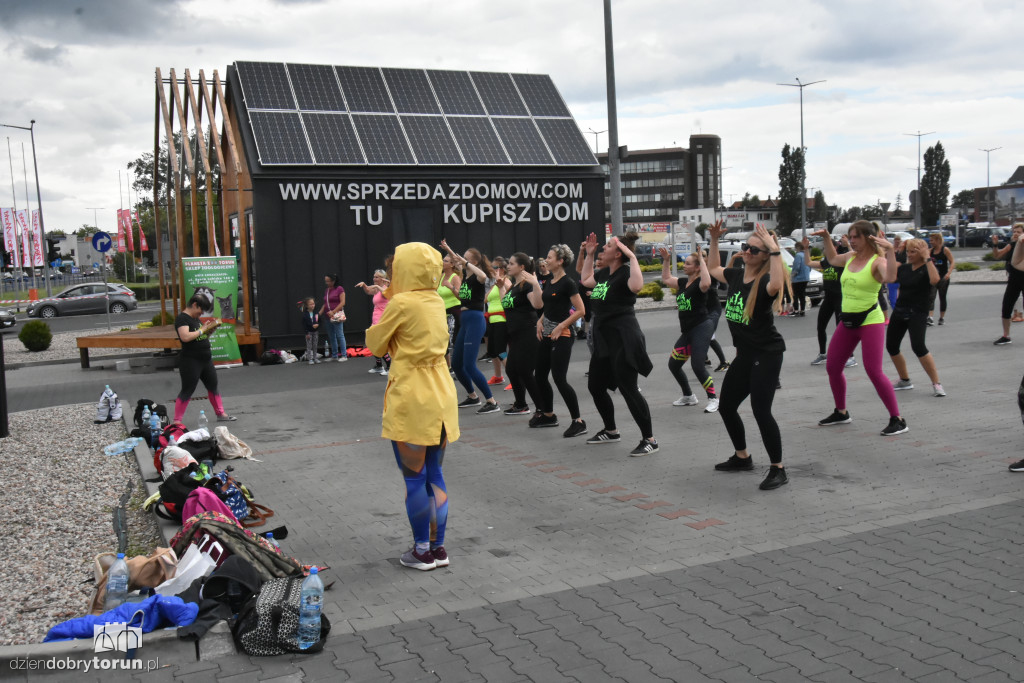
x: 855, y: 319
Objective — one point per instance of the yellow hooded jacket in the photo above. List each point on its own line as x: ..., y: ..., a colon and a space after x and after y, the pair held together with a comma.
x: 420, y: 397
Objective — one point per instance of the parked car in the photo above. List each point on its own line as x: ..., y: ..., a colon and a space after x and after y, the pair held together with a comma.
x: 645, y: 250
x: 982, y: 237
x: 904, y: 236
x: 815, y: 286
x: 7, y: 318
x: 83, y: 299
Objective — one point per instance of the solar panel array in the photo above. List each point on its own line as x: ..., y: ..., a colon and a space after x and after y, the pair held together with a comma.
x: 318, y: 115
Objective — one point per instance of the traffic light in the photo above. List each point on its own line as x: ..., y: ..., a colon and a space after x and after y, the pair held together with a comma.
x: 8, y: 259
x: 52, y: 249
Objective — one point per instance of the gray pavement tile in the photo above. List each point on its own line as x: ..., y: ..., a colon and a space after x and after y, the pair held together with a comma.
x: 389, y: 653
x: 453, y: 671
x: 956, y: 664
x: 410, y: 670
x: 319, y: 665
x: 364, y: 670
x: 1004, y: 661
x: 942, y: 677
x: 500, y: 672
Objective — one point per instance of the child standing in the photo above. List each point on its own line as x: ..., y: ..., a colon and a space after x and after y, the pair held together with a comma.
x: 311, y: 324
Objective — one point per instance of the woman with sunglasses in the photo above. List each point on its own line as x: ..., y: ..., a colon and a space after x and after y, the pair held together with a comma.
x: 620, y: 351
x: 755, y: 291
x: 910, y: 312
x: 472, y: 293
x: 522, y: 333
x: 861, y: 320
x: 695, y: 325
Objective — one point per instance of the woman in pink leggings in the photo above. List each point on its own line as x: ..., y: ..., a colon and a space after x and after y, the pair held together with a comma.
x: 861, y: 321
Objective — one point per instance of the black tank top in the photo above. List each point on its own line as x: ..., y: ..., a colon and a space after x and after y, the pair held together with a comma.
x: 941, y: 262
x: 471, y: 293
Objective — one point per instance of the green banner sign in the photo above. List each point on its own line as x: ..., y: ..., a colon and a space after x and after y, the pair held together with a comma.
x: 215, y: 280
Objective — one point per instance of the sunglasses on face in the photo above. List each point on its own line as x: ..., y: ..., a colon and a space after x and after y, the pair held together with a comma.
x: 754, y: 251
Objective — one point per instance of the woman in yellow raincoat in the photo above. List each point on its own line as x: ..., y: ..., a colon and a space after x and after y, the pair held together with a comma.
x: 420, y: 403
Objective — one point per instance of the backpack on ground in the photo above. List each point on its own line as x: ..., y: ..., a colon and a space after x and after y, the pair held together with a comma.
x: 170, y: 498
x: 222, y: 536
x: 108, y: 408
x: 175, y: 429
x: 142, y: 404
x: 269, y: 623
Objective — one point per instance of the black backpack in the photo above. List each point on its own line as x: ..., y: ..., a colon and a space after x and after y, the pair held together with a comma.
x: 269, y: 623
x: 141, y: 404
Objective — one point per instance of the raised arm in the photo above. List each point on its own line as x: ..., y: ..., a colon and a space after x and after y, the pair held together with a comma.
x: 885, y: 273
x: 589, y: 248
x: 705, y: 276
x: 714, y: 257
x: 666, y: 268
x: 1018, y: 254
x: 829, y: 252
x: 933, y: 272
x: 636, y: 276
x: 534, y: 295
x: 776, y: 269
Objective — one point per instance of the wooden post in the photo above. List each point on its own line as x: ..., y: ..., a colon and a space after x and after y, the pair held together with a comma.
x: 156, y: 202
x: 175, y: 174
x: 215, y: 142
x: 201, y: 146
x: 179, y: 208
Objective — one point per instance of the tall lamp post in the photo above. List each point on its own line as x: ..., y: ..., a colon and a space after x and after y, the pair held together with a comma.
x: 988, y: 177
x: 803, y: 151
x: 596, y: 143
x: 917, y: 204
x: 39, y: 198
x: 614, y: 179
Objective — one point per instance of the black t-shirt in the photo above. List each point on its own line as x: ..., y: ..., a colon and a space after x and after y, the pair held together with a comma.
x: 611, y: 295
x: 830, y: 277
x: 914, y: 289
x: 758, y: 333
x: 471, y: 293
x: 543, y: 280
x: 712, y: 303
x: 1013, y: 274
x: 519, y: 312
x: 557, y: 296
x: 197, y: 348
x: 941, y: 262
x: 692, y: 304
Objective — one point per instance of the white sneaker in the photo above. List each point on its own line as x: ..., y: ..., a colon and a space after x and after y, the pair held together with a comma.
x: 383, y: 372
x: 712, y: 406
x: 343, y: 359
x: 938, y: 390
x: 821, y: 358
x: 375, y: 370
x: 903, y: 385
x: 310, y: 362
x: 690, y: 400
x: 851, y: 362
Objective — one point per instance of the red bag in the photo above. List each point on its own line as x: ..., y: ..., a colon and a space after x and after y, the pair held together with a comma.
x: 175, y: 429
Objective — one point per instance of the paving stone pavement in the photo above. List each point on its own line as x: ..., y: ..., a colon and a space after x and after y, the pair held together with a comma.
x: 883, y: 559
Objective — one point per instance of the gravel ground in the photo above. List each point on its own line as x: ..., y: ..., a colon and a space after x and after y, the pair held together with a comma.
x: 63, y: 346
x: 56, y: 502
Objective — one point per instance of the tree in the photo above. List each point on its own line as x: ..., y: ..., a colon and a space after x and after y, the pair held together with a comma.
x: 791, y: 173
x: 750, y: 202
x: 870, y: 211
x: 850, y: 215
x: 86, y: 230
x: 898, y: 205
x: 964, y: 199
x: 820, y: 207
x: 934, y: 184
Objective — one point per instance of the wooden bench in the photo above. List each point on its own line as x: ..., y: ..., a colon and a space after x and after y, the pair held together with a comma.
x: 162, y: 337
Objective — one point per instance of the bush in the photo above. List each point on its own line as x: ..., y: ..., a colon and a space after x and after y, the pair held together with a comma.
x: 653, y: 290
x: 998, y: 266
x: 35, y: 335
x: 166, y: 319
x: 988, y: 257
x: 654, y: 267
x: 816, y: 253
x: 968, y: 266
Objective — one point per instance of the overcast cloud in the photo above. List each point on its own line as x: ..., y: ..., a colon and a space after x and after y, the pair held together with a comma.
x: 84, y: 71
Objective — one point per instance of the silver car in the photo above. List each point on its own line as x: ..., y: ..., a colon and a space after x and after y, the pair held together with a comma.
x: 7, y: 318
x: 86, y: 298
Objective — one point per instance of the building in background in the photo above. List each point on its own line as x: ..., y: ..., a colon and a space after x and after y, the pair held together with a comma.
x: 659, y: 183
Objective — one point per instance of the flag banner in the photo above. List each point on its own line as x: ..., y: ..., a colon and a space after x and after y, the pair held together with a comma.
x: 120, y: 232
x: 126, y: 220
x: 21, y: 217
x: 142, y: 236
x: 37, y: 248
x: 216, y: 280
x: 10, y: 235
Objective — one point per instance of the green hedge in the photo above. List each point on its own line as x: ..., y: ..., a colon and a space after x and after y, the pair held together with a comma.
x: 35, y: 335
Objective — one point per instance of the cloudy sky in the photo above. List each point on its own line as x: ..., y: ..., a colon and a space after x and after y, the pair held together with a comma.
x: 83, y: 69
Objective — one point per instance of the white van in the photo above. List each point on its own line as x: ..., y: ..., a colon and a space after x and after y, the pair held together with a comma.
x: 840, y: 230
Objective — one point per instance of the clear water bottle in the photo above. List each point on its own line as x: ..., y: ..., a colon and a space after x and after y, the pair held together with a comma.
x: 117, y: 583
x: 154, y: 428
x: 204, y: 422
x: 145, y: 414
x: 273, y: 541
x: 309, y: 610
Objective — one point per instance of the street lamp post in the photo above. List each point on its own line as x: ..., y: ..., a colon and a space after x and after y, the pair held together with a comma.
x: 803, y: 151
x: 614, y: 178
x: 988, y: 177
x: 39, y: 197
x: 596, y: 133
x: 917, y: 204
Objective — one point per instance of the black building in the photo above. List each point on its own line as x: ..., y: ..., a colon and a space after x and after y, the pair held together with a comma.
x: 658, y: 183
x: 348, y: 162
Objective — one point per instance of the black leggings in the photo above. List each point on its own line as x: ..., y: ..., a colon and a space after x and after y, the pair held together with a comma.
x: 553, y: 358
x: 939, y: 289
x: 830, y: 306
x: 916, y: 324
x: 753, y: 374
x: 693, y: 346
x: 1013, y: 291
x: 192, y: 370
x: 799, y: 293
x: 522, y: 354
x: 615, y: 371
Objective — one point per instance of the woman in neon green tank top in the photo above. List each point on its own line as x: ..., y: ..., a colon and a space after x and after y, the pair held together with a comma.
x: 868, y: 265
x: 449, y: 291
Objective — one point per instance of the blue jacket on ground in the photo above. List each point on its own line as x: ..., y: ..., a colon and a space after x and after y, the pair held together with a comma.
x: 158, y: 611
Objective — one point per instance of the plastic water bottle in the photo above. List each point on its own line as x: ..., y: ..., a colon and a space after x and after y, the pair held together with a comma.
x: 273, y: 541
x: 154, y: 428
x: 204, y: 422
x: 117, y: 583
x: 309, y: 610
x: 145, y: 414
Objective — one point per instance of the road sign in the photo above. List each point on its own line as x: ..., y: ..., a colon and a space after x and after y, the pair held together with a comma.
x: 101, y: 242
x: 95, y: 265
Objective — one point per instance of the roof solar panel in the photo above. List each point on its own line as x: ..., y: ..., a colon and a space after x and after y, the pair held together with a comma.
x: 382, y: 139
x: 316, y: 88
x: 540, y: 95
x: 431, y: 140
x: 477, y: 140
x: 499, y: 94
x: 332, y: 138
x: 265, y: 85
x: 410, y: 91
x: 364, y: 89
x: 523, y: 142
x: 280, y: 138
x: 456, y: 93
x: 566, y: 142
